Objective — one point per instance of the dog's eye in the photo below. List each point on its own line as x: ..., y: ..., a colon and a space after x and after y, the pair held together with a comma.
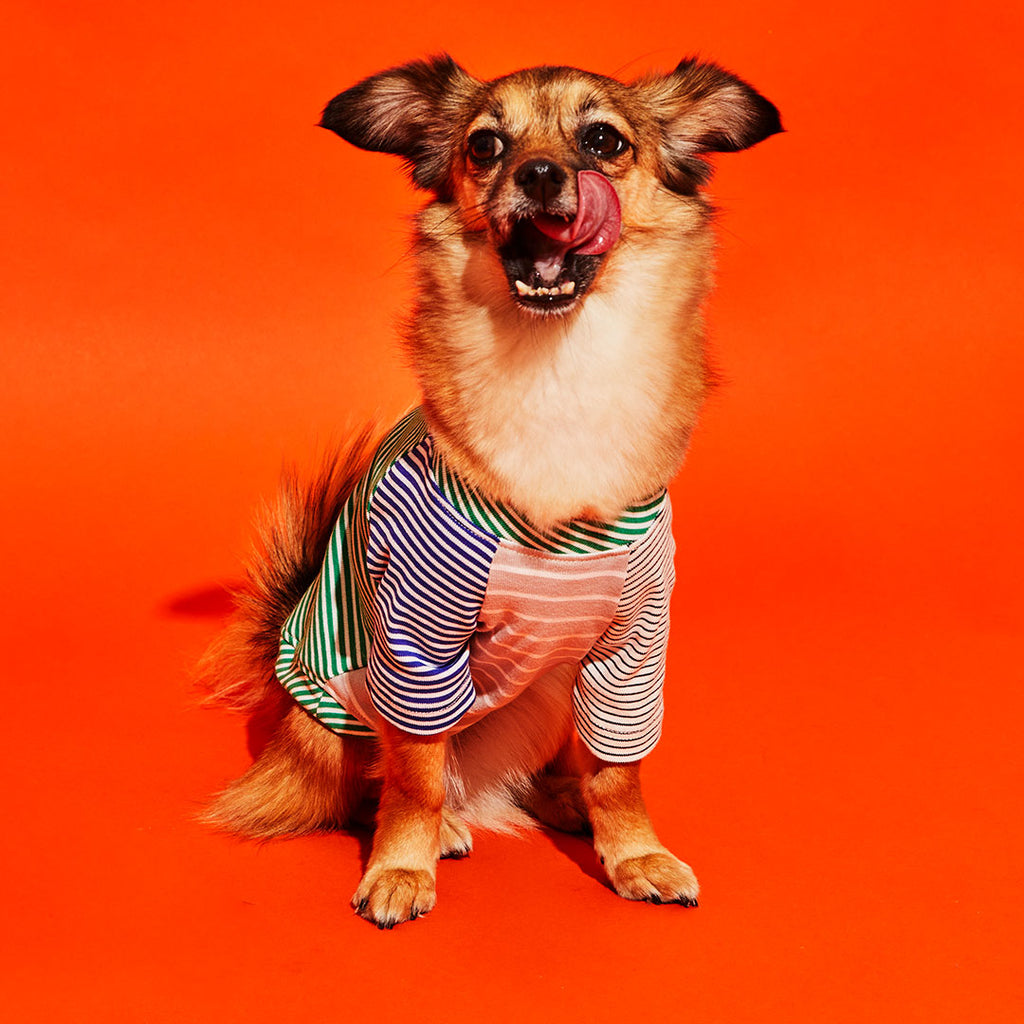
x: 485, y: 146
x: 602, y: 140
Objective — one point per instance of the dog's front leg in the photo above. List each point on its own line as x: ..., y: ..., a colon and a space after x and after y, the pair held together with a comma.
x: 638, y: 866
x: 399, y: 881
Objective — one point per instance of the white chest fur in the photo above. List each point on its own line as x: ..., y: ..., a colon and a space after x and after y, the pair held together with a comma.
x: 566, y: 416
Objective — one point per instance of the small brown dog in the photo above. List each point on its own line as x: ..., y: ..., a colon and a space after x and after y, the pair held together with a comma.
x: 466, y: 622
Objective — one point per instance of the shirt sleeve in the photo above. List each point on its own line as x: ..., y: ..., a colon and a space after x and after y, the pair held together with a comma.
x: 618, y: 701
x: 430, y: 574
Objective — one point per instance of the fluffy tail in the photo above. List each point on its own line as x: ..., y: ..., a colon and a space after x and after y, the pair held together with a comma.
x: 304, y: 779
x: 292, y: 533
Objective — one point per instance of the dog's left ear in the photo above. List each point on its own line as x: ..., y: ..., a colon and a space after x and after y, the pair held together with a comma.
x: 704, y: 109
x: 412, y: 111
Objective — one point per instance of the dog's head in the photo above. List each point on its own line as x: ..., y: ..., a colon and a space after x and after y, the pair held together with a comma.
x: 553, y: 166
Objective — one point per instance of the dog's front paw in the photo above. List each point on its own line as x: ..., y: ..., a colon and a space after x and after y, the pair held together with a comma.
x: 389, y: 896
x: 655, y: 877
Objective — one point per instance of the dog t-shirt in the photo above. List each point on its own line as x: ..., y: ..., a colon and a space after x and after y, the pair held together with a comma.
x: 435, y: 606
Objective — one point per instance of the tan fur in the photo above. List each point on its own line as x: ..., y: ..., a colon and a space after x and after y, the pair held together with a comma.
x: 399, y: 881
x: 638, y: 866
x: 565, y: 410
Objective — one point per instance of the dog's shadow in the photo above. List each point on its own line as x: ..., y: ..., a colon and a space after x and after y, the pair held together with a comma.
x: 579, y: 848
x: 214, y: 601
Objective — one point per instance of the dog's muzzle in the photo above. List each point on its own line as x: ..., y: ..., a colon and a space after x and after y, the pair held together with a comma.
x: 550, y: 261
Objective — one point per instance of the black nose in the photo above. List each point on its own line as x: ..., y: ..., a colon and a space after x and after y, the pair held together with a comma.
x: 541, y: 180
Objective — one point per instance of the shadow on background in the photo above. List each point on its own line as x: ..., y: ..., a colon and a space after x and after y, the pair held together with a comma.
x: 209, y: 602
x: 580, y: 850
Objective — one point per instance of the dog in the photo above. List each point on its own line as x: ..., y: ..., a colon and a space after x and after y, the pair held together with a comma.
x: 463, y: 623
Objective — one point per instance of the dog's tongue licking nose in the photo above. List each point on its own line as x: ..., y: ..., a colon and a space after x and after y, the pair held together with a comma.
x: 598, y: 217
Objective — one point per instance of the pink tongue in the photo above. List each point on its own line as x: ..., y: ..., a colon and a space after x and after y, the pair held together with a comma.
x: 598, y: 218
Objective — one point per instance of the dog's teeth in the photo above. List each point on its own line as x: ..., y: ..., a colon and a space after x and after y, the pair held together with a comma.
x: 565, y: 288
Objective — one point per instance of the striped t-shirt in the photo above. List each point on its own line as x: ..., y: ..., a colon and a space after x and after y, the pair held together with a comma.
x: 436, y: 606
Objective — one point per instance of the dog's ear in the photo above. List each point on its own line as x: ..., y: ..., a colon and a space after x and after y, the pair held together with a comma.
x: 412, y: 111
x: 704, y: 109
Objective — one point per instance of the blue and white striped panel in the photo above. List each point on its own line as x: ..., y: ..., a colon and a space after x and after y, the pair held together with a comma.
x: 618, y: 700
x: 430, y: 572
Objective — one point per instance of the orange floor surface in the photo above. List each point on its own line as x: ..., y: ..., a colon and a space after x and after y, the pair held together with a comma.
x: 198, y: 286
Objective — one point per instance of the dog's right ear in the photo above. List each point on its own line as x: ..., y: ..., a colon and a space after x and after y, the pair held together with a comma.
x: 412, y: 111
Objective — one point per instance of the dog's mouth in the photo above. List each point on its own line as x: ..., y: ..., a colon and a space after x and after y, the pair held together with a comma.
x: 551, y: 261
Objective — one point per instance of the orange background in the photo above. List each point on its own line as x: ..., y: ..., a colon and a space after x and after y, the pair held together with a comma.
x: 199, y: 285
